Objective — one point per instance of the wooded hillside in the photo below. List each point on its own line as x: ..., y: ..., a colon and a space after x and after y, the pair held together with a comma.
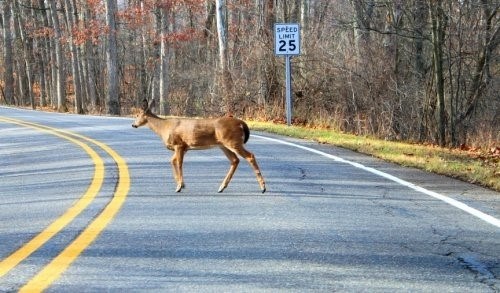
x: 418, y: 70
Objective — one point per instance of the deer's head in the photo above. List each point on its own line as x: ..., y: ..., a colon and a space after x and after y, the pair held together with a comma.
x: 145, y: 112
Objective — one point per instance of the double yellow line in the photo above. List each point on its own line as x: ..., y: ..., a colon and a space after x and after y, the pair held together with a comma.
x: 60, y: 263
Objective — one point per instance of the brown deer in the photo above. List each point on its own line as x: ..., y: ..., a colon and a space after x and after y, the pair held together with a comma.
x: 183, y: 134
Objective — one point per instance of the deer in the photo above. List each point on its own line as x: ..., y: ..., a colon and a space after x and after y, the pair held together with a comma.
x: 182, y: 134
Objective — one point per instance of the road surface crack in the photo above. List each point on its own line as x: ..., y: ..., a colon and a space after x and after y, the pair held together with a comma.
x: 482, y: 271
x: 470, y: 260
x: 302, y: 174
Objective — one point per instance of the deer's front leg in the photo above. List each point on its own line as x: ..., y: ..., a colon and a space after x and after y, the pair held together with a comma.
x: 177, y: 161
x: 175, y: 171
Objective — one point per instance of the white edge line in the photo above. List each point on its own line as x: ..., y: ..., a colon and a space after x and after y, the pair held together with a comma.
x: 485, y: 217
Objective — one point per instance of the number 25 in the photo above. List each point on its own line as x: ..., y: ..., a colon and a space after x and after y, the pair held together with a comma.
x: 291, y: 45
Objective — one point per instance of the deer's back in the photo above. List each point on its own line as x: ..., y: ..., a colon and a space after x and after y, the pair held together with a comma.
x: 206, y: 133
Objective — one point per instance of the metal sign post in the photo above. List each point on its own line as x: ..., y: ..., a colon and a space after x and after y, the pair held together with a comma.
x: 288, y: 84
x: 287, y: 43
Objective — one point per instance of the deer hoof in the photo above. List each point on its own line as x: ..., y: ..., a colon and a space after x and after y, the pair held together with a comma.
x: 180, y: 187
x: 263, y: 190
x: 221, y: 189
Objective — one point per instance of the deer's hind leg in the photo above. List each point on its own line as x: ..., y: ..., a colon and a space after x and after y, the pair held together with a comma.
x: 233, y: 159
x: 240, y: 150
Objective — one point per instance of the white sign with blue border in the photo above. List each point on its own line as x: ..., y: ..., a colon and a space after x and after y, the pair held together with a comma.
x: 286, y: 39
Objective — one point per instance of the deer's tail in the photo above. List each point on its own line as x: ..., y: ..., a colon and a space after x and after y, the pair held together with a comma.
x: 246, y: 131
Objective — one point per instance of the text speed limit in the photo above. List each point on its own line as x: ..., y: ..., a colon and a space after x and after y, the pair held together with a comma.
x: 286, y: 39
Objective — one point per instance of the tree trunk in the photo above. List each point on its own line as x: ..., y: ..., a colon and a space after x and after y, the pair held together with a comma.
x: 59, y: 55
x: 112, y: 99
x: 420, y: 16
x: 164, y: 59
x: 25, y: 64
x: 51, y: 59
x: 89, y: 77
x: 70, y: 15
x: 437, y: 19
x: 43, y: 55
x: 266, y: 68
x: 225, y: 74
x: 481, y: 75
x: 363, y: 13
x: 210, y: 19
x: 144, y: 89
x: 8, y: 76
x: 156, y: 51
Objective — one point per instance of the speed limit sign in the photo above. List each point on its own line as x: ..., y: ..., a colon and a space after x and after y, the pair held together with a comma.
x: 286, y: 39
x: 287, y: 43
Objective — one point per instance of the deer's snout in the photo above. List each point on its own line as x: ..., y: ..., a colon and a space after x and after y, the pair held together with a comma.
x: 134, y: 126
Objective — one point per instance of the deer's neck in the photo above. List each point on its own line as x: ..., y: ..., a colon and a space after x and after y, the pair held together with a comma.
x: 158, y: 125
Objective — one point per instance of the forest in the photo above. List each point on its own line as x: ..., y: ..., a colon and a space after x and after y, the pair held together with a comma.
x: 422, y: 71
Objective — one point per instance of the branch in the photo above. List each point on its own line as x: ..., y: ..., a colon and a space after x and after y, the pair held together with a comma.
x: 32, y: 7
x: 401, y: 32
x: 398, y: 33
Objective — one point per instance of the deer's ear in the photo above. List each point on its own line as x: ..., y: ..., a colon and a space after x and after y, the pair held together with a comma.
x: 151, y: 104
x: 145, y: 105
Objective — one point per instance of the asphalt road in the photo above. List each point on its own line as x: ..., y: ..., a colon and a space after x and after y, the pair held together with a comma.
x: 331, y: 220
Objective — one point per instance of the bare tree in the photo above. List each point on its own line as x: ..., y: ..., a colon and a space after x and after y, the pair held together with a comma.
x: 59, y: 60
x: 267, y: 73
x: 8, y: 76
x: 42, y: 54
x: 363, y: 14
x: 437, y: 20
x: 71, y: 24
x: 112, y: 98
x: 225, y: 74
x: 24, y: 64
x: 164, y: 62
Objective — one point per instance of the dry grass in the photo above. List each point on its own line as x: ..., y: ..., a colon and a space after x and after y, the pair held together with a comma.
x: 470, y: 165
